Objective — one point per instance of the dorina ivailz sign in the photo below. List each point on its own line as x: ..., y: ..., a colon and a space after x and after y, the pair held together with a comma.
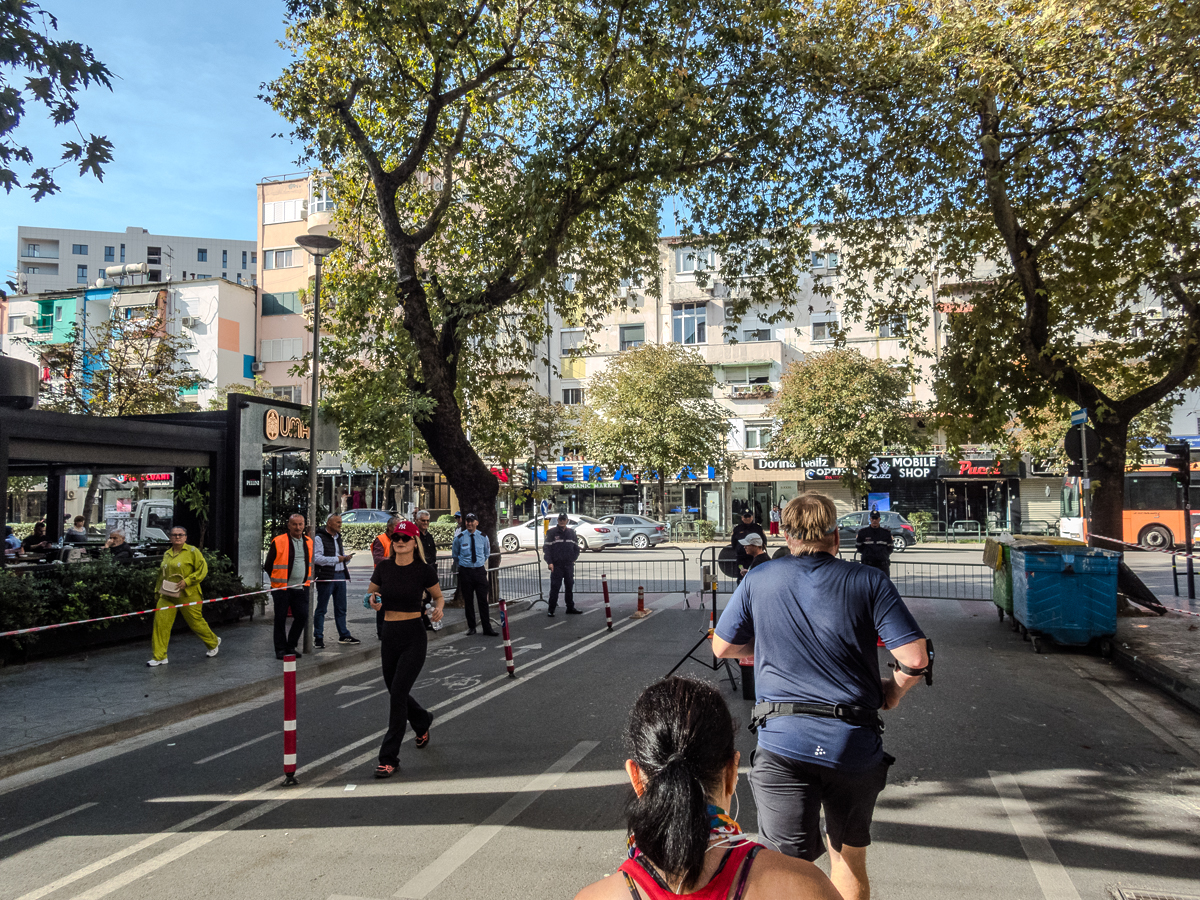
x: 277, y: 425
x: 774, y: 464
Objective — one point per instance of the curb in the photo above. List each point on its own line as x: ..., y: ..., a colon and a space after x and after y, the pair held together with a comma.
x: 73, y: 745
x: 1176, y: 686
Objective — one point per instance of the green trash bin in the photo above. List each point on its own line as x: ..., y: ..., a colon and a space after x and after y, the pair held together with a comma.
x: 1002, y: 584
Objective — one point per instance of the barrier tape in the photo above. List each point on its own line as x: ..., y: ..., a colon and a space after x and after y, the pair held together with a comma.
x: 1181, y: 553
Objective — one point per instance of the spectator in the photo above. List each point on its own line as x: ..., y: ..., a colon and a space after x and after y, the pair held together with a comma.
x: 12, y: 543
x: 740, y: 530
x: 684, y: 771
x: 775, y: 517
x: 753, y: 545
x: 183, y: 569
x: 289, y: 565
x: 329, y: 564
x: 118, y: 546
x: 36, y: 541
x: 811, y: 621
x: 78, y: 534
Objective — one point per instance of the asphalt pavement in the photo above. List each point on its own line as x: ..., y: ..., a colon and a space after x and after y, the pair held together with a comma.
x: 1018, y: 776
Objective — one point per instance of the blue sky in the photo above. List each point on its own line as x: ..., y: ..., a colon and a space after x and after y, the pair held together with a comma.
x: 191, y: 137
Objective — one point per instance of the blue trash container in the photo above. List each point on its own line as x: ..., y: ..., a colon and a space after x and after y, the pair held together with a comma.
x: 1067, y: 594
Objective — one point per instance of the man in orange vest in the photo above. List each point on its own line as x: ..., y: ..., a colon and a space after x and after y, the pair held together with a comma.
x: 289, y: 565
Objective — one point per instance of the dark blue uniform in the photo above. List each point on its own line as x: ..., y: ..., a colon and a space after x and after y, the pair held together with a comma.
x: 560, y: 550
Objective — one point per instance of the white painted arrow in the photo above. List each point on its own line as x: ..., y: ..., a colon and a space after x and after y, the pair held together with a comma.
x: 352, y: 689
x: 520, y: 650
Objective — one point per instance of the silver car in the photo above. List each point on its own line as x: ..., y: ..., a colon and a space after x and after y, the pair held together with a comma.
x: 591, y: 534
x: 638, y: 531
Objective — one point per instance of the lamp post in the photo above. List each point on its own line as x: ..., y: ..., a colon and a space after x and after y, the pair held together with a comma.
x: 318, y: 246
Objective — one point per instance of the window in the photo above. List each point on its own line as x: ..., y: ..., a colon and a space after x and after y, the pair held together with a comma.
x: 81, y: 274
x: 277, y: 259
x: 1150, y: 492
x: 45, y: 316
x: 572, y: 338
x: 689, y: 259
x: 283, y: 211
x: 239, y: 277
x: 322, y: 195
x: 224, y: 259
x: 155, y: 275
x: 154, y: 256
x: 292, y: 393
x: 33, y: 249
x: 758, y: 435
x: 833, y: 259
x: 282, y: 350
x: 572, y: 367
x: 254, y: 257
x: 824, y: 327
x: 897, y: 327
x: 254, y: 281
x: 58, y: 313
x: 747, y: 374
x: 33, y: 270
x: 281, y: 304
x: 201, y: 255
x: 632, y: 336
x: 818, y: 260
x: 79, y: 249
x: 15, y: 323
x: 688, y: 323
x: 573, y: 396
x: 110, y: 254
x: 757, y: 334
x: 243, y: 259
x: 100, y: 273
x: 122, y: 253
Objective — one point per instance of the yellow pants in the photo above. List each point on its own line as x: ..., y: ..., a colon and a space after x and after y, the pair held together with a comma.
x: 164, y: 618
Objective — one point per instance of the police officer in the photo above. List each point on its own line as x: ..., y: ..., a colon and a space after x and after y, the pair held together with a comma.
x: 745, y: 527
x: 874, y: 545
x: 560, y: 551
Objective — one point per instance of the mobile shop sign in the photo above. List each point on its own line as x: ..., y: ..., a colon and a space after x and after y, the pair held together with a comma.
x: 885, y: 467
x: 822, y: 469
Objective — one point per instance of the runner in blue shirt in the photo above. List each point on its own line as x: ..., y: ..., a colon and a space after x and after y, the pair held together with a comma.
x: 811, y: 621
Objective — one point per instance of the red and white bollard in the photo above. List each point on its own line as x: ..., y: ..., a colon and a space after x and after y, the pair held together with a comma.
x: 642, y: 612
x: 289, y: 720
x: 508, y: 654
x: 607, y: 607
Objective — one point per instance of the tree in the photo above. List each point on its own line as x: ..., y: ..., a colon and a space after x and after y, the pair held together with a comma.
x: 54, y: 72
x: 1040, y: 155
x: 514, y: 423
x: 651, y: 411
x: 847, y: 407
x: 120, y: 367
x: 515, y: 156
x: 19, y: 487
x: 220, y: 399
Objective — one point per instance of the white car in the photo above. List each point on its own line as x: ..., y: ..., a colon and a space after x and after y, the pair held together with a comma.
x: 592, y: 534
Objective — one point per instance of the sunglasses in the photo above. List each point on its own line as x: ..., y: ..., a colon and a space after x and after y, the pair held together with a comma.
x: 404, y: 538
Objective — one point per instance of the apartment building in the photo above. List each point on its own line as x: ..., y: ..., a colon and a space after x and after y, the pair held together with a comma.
x: 63, y: 259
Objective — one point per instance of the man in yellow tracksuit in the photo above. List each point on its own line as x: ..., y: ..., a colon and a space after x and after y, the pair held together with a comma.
x: 181, y: 563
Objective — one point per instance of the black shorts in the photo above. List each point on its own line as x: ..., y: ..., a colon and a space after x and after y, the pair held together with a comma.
x: 790, y: 796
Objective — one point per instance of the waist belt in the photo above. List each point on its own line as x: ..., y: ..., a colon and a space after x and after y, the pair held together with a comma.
x: 855, y: 715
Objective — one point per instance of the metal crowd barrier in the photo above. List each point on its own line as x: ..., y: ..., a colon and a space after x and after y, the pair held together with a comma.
x: 658, y: 575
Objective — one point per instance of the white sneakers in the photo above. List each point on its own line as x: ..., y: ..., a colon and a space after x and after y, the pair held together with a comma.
x: 213, y: 651
x: 156, y: 662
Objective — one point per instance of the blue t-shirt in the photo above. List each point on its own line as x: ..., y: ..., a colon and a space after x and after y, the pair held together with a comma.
x: 815, y: 621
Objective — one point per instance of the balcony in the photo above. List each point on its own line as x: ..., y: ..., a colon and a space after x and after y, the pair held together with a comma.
x: 750, y: 353
x: 751, y: 391
x: 32, y: 251
x: 320, y: 205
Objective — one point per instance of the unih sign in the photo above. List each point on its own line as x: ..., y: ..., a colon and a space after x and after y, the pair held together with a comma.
x: 277, y: 425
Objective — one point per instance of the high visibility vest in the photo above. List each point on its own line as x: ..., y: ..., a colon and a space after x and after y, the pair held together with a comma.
x: 386, y: 543
x: 279, y: 568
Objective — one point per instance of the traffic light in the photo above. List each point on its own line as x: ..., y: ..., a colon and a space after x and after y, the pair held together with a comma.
x: 1179, y: 458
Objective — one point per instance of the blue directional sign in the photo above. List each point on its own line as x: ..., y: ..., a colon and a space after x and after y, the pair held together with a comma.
x: 1079, y: 417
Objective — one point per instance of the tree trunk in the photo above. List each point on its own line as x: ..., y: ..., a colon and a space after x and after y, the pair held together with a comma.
x: 1107, y: 472
x: 661, y: 497
x: 89, y: 501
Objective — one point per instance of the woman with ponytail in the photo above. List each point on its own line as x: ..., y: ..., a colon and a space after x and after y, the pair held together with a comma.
x: 684, y: 769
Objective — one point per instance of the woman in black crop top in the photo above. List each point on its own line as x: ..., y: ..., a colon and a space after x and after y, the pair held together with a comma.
x: 397, y: 587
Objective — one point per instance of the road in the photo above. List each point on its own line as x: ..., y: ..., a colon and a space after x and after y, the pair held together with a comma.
x: 1019, y: 777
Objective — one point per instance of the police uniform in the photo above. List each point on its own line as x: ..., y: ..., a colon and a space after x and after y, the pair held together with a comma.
x: 874, y: 544
x: 560, y: 550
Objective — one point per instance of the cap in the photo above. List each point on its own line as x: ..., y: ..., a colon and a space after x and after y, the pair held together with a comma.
x: 458, y: 514
x: 747, y: 512
x: 563, y: 517
x: 408, y: 528
x: 874, y: 514
x: 751, y: 540
x: 471, y: 517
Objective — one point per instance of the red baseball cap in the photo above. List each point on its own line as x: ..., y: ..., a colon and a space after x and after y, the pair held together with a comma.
x: 408, y: 528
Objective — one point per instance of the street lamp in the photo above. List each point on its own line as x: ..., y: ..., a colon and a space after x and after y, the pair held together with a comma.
x: 318, y: 246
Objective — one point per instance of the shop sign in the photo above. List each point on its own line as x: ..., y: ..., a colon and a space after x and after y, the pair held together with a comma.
x: 150, y: 477
x: 908, y: 467
x: 1046, y: 467
x: 977, y: 467
x: 822, y: 469
x: 278, y: 425
x: 760, y: 463
x: 251, y: 482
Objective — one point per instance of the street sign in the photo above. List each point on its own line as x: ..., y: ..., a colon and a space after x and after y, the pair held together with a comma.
x: 1079, y: 417
x: 1072, y: 444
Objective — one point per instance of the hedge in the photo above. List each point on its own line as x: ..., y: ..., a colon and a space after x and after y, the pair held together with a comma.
x: 359, y: 537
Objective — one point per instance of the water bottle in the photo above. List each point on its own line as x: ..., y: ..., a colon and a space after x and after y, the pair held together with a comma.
x: 437, y: 626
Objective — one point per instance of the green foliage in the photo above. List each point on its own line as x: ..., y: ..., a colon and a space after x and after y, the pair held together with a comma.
x: 194, y: 495
x: 706, y: 530
x: 921, y: 521
x: 847, y: 407
x: 54, y: 72
x: 220, y: 399
x: 651, y: 411
x: 445, y: 519
x: 359, y: 537
x: 22, y: 529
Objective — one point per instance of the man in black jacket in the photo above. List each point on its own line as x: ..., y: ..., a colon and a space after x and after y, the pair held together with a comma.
x: 329, y: 563
x: 740, y: 530
x: 560, y: 551
x: 874, y: 545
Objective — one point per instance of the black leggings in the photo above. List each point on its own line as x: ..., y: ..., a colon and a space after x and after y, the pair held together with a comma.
x: 403, y: 655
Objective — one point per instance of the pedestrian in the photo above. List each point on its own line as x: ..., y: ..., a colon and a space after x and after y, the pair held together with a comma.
x: 775, y: 517
x: 812, y: 621
x: 183, y: 569
x: 118, y: 547
x: 397, y: 588
x: 874, y: 545
x: 740, y: 530
x: 429, y: 546
x: 458, y: 524
x: 78, y: 534
x: 753, y: 545
x: 684, y: 770
x: 329, y: 564
x: 289, y: 565
x: 560, y: 551
x: 381, y: 549
x: 470, y: 551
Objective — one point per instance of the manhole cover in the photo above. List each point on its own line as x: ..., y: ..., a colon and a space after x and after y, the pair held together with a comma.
x: 1132, y: 894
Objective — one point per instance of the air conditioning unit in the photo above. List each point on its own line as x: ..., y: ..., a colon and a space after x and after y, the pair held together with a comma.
x: 258, y: 367
x: 70, y: 495
x: 188, y: 321
x: 30, y: 321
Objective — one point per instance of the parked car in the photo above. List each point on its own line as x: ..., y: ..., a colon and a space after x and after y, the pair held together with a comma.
x: 903, y: 535
x: 638, y: 531
x: 592, y: 534
x: 366, y: 517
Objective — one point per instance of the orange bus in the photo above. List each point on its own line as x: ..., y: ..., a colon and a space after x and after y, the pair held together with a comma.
x: 1153, y: 508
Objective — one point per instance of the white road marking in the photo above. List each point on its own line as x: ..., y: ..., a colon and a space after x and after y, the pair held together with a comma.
x: 527, y: 647
x: 363, y: 699
x: 29, y: 828
x: 353, y: 688
x: 555, y: 625
x: 263, y: 737
x: 1052, y: 877
x: 451, y: 666
x: 588, y: 612
x: 465, y: 847
x: 351, y: 787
